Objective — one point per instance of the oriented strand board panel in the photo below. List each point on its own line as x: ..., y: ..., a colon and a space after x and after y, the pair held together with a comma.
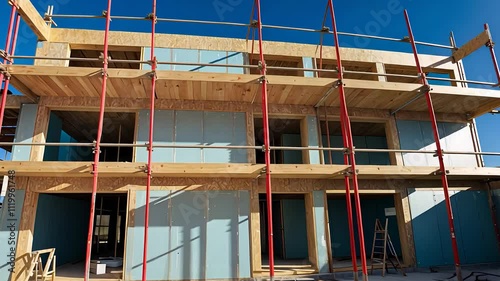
x: 10, y: 218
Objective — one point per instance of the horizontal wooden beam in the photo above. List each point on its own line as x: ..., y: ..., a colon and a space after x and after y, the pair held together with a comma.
x: 471, y: 46
x: 79, y: 38
x: 33, y: 19
x: 15, y: 101
x: 201, y: 170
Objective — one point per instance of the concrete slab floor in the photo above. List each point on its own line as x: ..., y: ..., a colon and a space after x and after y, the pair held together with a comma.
x: 469, y: 273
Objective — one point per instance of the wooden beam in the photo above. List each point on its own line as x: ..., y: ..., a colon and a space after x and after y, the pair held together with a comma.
x: 25, y: 90
x: 471, y: 46
x: 255, y: 233
x: 26, y: 230
x: 403, y: 216
x: 15, y: 102
x: 81, y: 37
x: 33, y: 19
x: 311, y: 231
x: 250, y: 171
x: 392, y: 135
x: 136, y: 104
x: 40, y: 133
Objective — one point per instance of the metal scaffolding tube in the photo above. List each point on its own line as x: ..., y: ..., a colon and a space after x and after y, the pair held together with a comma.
x: 56, y: 58
x: 150, y: 140
x: 491, y: 45
x: 204, y: 22
x: 97, y: 149
x: 8, y: 42
x: 7, y: 79
x: 267, y: 150
x: 349, y: 157
x: 444, y: 177
x: 463, y: 81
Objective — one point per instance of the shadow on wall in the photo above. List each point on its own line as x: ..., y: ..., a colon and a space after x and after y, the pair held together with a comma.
x: 473, y: 224
x: 192, y: 235
x: 418, y: 135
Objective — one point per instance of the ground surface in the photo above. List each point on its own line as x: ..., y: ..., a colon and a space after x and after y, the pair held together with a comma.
x: 479, y: 273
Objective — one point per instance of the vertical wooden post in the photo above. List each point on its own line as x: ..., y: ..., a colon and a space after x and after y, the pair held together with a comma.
x: 311, y: 230
x: 26, y: 230
x: 403, y: 216
x: 40, y: 133
x: 255, y: 229
x: 392, y: 135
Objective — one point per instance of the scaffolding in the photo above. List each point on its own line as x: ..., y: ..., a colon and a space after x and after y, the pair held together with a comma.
x: 256, y: 24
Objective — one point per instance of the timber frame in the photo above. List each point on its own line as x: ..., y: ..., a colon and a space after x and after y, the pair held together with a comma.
x: 53, y: 85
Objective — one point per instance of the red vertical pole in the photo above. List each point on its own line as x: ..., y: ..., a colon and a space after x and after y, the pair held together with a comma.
x: 8, y: 50
x: 348, y: 143
x: 150, y: 141
x: 442, y: 169
x: 267, y: 151
x: 490, y: 45
x: 97, y: 149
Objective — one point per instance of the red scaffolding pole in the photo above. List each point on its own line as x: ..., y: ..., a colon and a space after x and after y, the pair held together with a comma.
x: 349, y: 157
x: 442, y: 168
x: 150, y: 140
x: 267, y: 150
x: 97, y: 145
x: 10, y: 46
x: 490, y: 46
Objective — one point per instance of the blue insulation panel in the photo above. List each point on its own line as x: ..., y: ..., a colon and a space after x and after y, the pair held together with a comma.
x: 474, y: 231
x: 417, y: 135
x: 196, y: 56
x: 192, y: 234
x: 222, y: 236
x: 319, y: 218
x: 194, y: 128
x: 24, y: 132
x: 188, y: 131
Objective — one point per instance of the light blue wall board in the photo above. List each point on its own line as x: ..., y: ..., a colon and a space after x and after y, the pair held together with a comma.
x: 192, y: 234
x: 24, y: 132
x: 188, y: 131
x: 418, y: 135
x: 474, y: 231
x: 194, y: 128
x: 308, y: 62
x: 319, y: 218
x: 163, y: 134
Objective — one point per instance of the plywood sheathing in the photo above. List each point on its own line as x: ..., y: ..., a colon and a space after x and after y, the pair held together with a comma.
x: 81, y: 39
x: 174, y: 85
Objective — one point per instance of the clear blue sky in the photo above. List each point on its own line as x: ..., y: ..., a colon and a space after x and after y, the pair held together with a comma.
x: 432, y: 21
